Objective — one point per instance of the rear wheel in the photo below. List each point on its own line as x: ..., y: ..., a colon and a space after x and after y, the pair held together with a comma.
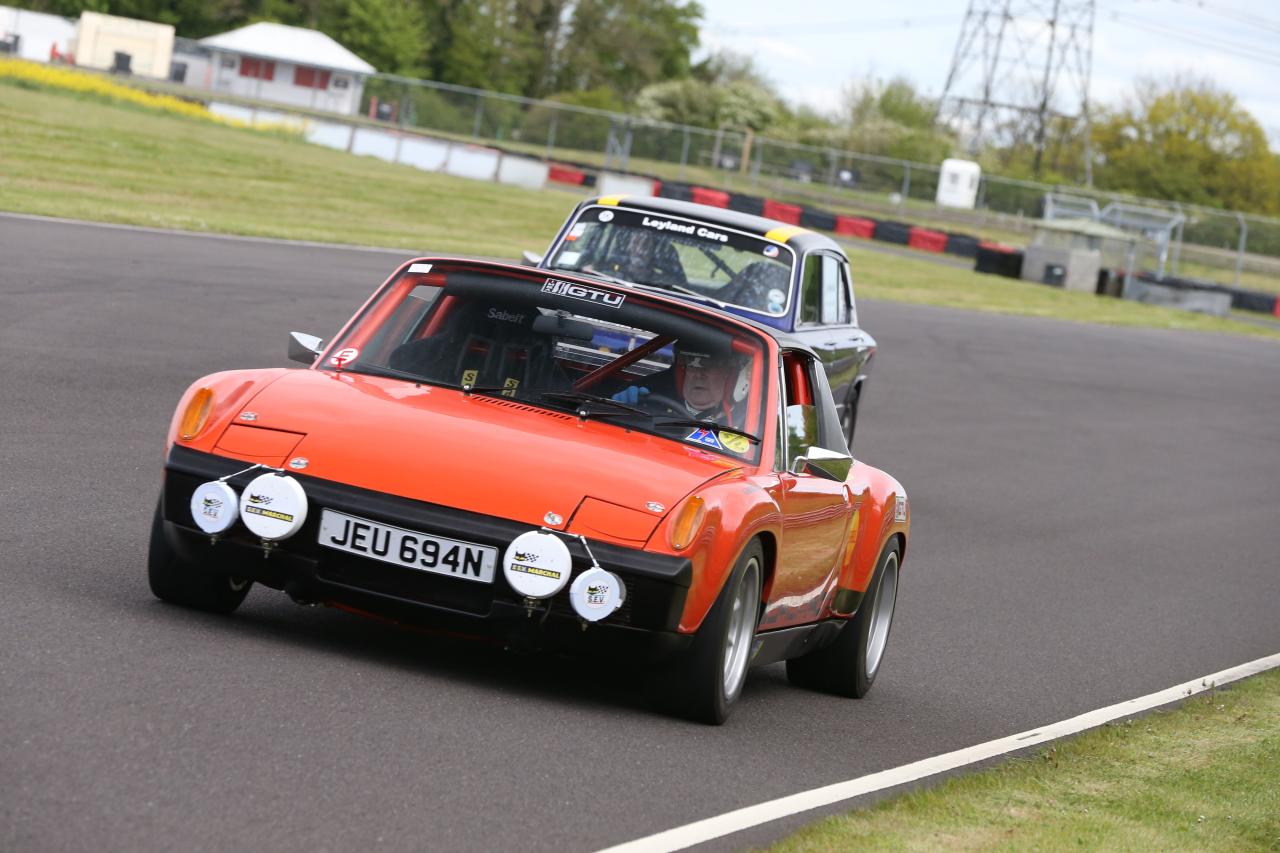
x: 177, y: 581
x: 705, y: 683
x: 848, y: 667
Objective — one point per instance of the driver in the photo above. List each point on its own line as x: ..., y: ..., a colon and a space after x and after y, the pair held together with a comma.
x: 705, y: 386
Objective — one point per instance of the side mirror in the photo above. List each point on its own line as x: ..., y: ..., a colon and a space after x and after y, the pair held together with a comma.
x: 821, y: 462
x: 304, y: 348
x: 530, y: 259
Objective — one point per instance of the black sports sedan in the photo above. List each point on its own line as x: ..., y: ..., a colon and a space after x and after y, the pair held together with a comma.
x: 780, y: 275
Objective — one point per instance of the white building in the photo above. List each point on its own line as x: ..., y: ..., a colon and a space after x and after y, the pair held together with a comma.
x: 35, y: 35
x: 124, y: 44
x: 273, y: 62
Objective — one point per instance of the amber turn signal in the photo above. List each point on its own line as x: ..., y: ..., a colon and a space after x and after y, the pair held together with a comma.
x: 196, y: 414
x: 687, y: 523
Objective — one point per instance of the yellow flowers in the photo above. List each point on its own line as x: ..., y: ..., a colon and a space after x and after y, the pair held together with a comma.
x: 93, y: 84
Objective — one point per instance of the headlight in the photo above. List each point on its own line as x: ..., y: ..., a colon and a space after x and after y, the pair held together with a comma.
x: 688, y: 522
x: 597, y: 593
x: 536, y: 564
x: 273, y: 506
x: 196, y: 414
x: 214, y: 507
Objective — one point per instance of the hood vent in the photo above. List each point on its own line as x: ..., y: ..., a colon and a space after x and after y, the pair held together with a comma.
x: 510, y: 404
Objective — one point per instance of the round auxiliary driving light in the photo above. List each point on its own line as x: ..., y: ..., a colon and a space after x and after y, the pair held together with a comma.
x: 273, y: 506
x: 537, y: 565
x: 596, y: 593
x: 214, y: 506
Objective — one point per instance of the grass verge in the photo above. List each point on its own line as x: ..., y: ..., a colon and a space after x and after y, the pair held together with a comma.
x: 1204, y: 776
x: 69, y: 155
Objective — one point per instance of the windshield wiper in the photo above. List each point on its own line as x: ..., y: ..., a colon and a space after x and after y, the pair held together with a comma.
x: 379, y: 370
x: 582, y: 399
x: 707, y: 423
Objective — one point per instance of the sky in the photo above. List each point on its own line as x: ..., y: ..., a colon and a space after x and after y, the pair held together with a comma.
x: 814, y: 49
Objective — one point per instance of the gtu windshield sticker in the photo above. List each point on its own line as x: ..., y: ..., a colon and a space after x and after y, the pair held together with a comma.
x: 586, y: 294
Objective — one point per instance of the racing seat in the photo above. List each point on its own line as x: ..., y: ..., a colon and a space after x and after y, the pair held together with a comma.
x: 750, y: 286
x: 478, y: 349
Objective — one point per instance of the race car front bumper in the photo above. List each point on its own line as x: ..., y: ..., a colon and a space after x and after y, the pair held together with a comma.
x: 656, y: 584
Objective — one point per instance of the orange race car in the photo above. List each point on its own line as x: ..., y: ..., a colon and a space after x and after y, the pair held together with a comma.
x: 556, y: 461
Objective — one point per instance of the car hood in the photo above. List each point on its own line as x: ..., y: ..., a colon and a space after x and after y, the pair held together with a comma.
x: 479, y: 453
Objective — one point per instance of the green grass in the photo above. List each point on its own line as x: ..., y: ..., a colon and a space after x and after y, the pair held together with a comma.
x: 63, y: 155
x: 1205, y: 776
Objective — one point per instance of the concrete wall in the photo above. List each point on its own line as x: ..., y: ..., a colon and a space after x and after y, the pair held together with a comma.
x: 38, y: 32
x: 1082, y: 266
x: 101, y: 37
x: 281, y: 88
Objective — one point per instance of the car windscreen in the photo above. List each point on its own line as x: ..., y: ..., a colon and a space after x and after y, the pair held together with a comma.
x: 600, y: 353
x: 681, y: 254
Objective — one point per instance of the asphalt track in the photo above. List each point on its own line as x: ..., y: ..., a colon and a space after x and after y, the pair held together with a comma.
x: 1096, y: 516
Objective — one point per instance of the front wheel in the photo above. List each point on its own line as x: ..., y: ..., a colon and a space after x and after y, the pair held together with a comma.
x: 707, y: 681
x: 176, y: 581
x: 848, y: 667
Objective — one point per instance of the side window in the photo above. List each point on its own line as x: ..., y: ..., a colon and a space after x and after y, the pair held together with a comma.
x: 811, y: 290
x: 835, y: 297
x: 800, y: 412
x: 846, y: 293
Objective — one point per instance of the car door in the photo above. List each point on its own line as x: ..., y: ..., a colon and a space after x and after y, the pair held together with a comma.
x: 816, y: 511
x: 828, y: 323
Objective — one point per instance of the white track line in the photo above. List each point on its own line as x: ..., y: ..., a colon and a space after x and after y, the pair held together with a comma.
x: 745, y: 818
x: 207, y: 235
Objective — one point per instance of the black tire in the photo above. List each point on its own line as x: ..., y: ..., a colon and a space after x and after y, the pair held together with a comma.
x: 843, y: 667
x: 176, y: 581
x: 695, y: 686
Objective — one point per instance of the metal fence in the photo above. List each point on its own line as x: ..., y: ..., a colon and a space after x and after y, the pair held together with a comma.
x: 1220, y: 244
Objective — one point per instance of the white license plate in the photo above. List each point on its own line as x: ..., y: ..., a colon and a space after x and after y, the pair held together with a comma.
x: 407, y: 548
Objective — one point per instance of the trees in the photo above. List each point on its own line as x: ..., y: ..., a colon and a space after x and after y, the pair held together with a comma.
x: 1187, y: 140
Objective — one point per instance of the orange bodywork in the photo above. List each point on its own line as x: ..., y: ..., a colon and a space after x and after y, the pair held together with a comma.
x: 500, y: 457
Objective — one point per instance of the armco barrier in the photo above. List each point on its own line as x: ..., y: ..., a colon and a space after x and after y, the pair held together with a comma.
x: 375, y: 143
x: 927, y: 240
x: 856, y: 226
x: 524, y: 172
x: 473, y: 161
x: 564, y: 174
x: 616, y: 183
x: 711, y: 198
x: 788, y: 213
x: 963, y: 245
x: 427, y: 154
x: 818, y: 220
x: 746, y: 203
x: 893, y: 232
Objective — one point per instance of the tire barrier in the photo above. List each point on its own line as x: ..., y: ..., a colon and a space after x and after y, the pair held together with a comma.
x: 818, y: 220
x: 563, y: 174
x: 963, y: 245
x: 998, y: 259
x: 888, y: 231
x: 926, y: 240
x: 856, y: 226
x: 676, y: 191
x: 711, y: 198
x: 788, y: 213
x: 752, y: 204
x: 989, y: 257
